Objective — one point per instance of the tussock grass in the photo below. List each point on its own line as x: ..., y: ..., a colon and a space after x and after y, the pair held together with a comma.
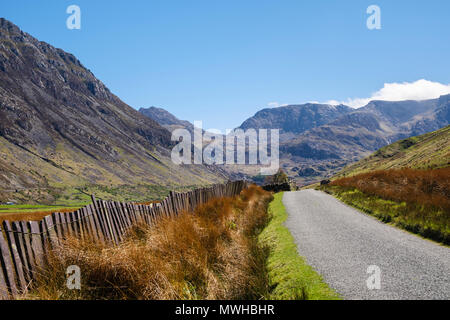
x: 212, y: 253
x: 290, y: 277
x: 416, y: 200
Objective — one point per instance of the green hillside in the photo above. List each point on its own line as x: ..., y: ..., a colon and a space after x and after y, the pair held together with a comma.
x: 429, y: 151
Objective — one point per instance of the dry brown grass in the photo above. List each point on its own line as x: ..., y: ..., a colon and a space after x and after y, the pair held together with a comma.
x: 416, y: 200
x: 426, y: 187
x: 209, y: 254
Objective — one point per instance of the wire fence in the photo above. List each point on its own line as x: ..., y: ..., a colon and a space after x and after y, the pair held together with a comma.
x: 24, y: 245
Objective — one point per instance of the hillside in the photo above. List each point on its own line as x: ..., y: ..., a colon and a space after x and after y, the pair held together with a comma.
x: 428, y: 151
x: 166, y: 119
x: 317, y: 141
x: 405, y: 183
x: 62, y: 127
x: 293, y: 120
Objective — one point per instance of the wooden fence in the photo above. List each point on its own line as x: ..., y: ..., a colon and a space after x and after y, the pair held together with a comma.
x: 25, y: 244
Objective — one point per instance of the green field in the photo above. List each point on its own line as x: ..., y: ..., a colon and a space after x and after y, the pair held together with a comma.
x: 80, y: 196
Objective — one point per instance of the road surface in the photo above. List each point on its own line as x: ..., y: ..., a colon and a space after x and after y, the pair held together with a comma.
x: 341, y: 243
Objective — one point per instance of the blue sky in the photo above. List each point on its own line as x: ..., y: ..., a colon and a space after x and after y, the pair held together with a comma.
x: 221, y: 61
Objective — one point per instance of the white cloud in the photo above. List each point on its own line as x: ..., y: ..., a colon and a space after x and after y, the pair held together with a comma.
x: 276, y: 104
x: 418, y: 90
x: 273, y: 104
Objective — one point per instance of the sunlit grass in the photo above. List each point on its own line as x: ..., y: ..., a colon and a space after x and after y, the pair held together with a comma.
x: 290, y: 277
x: 415, y: 200
x: 211, y: 253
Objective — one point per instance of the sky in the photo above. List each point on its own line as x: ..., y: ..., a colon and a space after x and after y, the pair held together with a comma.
x: 221, y: 61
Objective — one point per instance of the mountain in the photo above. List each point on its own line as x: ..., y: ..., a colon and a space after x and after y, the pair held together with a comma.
x: 317, y: 141
x: 370, y: 128
x: 166, y: 119
x: 295, y: 119
x: 428, y: 151
x: 61, y: 126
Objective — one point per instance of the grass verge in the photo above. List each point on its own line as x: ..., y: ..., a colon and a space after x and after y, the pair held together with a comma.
x: 290, y: 278
x: 427, y: 221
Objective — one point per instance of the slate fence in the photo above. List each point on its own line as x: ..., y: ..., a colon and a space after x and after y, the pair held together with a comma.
x: 24, y: 245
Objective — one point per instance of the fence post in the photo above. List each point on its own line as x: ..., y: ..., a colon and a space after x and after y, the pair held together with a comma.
x: 7, y: 266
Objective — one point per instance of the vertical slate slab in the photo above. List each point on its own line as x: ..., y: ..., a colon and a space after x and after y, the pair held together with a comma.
x: 26, y: 236
x: 96, y: 223
x: 51, y: 227
x: 109, y: 223
x: 36, y: 243
x: 4, y: 292
x: 14, y: 250
x: 7, y: 266
x: 57, y: 224
x: 100, y: 219
x: 18, y: 235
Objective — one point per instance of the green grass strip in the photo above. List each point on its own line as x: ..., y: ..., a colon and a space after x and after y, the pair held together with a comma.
x: 289, y: 276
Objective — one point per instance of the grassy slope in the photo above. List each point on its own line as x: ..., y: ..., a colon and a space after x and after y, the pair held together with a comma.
x: 429, y: 151
x: 289, y: 275
x: 413, y: 218
x: 26, y: 178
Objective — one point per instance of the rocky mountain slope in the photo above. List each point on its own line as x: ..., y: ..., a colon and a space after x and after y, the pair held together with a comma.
x: 166, y: 119
x: 369, y: 128
x: 319, y: 140
x: 60, y: 125
x: 293, y: 120
x: 428, y: 151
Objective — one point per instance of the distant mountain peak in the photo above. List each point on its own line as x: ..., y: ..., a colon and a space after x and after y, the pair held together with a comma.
x: 165, y: 118
x: 9, y: 26
x: 295, y: 119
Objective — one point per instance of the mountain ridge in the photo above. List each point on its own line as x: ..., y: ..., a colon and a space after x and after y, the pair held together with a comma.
x: 60, y: 125
x: 318, y: 140
x: 166, y: 119
x: 326, y: 144
x: 427, y: 151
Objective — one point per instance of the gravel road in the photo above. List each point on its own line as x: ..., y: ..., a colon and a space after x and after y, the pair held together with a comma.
x: 341, y: 243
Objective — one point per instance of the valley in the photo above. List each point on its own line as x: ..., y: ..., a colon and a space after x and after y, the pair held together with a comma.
x: 302, y: 201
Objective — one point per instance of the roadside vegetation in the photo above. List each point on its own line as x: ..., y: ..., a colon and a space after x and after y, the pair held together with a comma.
x: 230, y: 248
x: 290, y: 278
x: 415, y: 200
x: 212, y: 253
